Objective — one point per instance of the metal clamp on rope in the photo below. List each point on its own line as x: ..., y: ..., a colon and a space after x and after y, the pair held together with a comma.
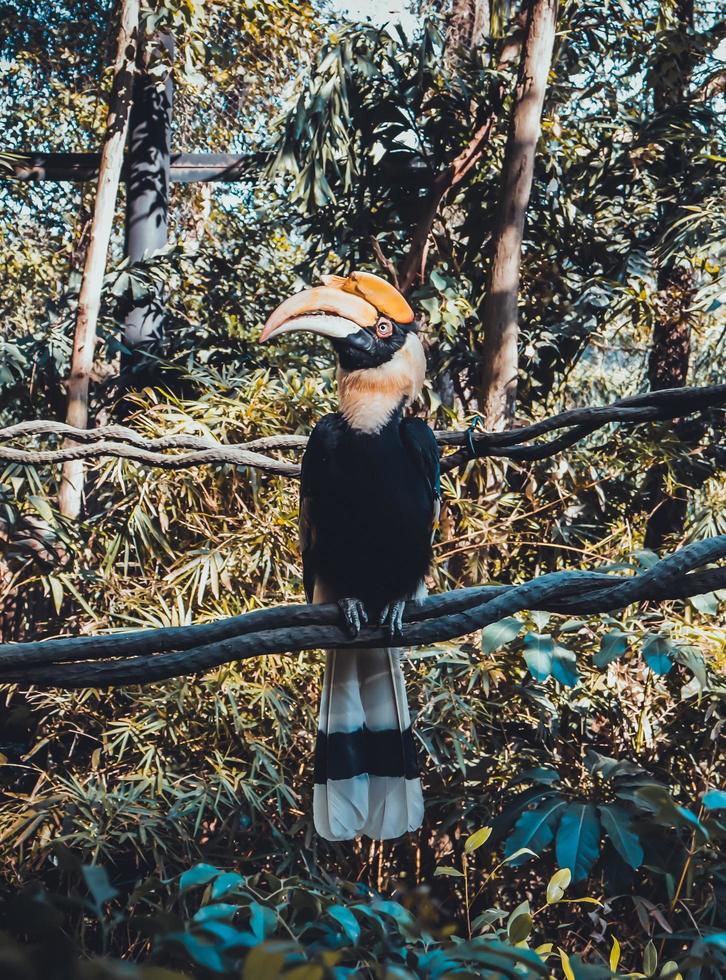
x: 476, y: 422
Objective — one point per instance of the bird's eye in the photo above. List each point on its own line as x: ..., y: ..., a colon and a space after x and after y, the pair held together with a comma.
x: 384, y: 328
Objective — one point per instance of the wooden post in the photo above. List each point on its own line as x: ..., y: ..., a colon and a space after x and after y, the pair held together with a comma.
x: 89, y: 300
x: 500, y: 316
x: 147, y: 199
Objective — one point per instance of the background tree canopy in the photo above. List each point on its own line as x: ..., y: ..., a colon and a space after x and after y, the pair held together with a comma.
x: 573, y: 771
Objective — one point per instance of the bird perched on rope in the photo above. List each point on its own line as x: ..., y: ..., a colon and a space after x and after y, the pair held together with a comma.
x: 369, y: 497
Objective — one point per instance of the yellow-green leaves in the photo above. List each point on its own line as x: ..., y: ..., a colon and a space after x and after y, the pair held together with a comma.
x: 476, y: 839
x: 614, y: 955
x: 557, y: 885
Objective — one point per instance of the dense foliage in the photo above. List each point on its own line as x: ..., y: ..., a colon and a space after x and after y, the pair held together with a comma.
x: 564, y: 760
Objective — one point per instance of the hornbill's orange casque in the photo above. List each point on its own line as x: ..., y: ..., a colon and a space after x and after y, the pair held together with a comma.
x: 368, y: 500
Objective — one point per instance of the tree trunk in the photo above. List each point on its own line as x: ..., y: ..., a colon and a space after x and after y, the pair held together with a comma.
x: 147, y: 202
x: 89, y: 300
x: 671, y: 339
x: 498, y: 386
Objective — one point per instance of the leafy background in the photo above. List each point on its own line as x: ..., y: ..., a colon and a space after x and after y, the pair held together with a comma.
x: 170, y: 825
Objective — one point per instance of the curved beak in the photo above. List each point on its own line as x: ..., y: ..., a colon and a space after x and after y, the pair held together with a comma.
x: 324, y: 310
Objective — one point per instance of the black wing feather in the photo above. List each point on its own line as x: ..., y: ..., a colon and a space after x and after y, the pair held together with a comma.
x: 315, y: 463
x: 421, y: 442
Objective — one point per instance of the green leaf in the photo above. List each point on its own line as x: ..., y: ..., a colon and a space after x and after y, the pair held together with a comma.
x: 650, y: 959
x: 42, y: 506
x: 535, y: 828
x: 714, y: 799
x: 264, y: 962
x: 203, y: 953
x: 565, y: 961
x: 612, y: 645
x: 218, y: 910
x: 448, y: 872
x: 519, y: 928
x: 200, y: 874
x: 98, y: 884
x: 564, y: 666
x: 614, y: 955
x: 226, y: 883
x: 578, y: 839
x: 520, y: 852
x: 497, y: 634
x: 345, y: 918
x: 476, y: 840
x: 657, y: 651
x: 557, y: 885
x: 667, y: 812
x: 56, y: 589
x: 538, y: 655
x: 616, y: 824
x: 540, y: 774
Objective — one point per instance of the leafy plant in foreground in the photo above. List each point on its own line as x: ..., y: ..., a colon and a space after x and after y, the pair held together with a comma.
x: 628, y: 819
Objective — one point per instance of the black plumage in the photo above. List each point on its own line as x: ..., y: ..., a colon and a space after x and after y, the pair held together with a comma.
x: 367, y: 504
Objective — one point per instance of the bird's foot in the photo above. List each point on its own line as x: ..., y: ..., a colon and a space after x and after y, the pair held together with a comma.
x: 354, y: 615
x: 392, y: 617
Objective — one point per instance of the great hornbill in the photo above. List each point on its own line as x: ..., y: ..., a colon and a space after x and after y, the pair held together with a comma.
x: 368, y: 500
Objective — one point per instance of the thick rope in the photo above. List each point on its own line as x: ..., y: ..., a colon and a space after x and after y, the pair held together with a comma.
x: 153, y: 655
x: 120, y: 441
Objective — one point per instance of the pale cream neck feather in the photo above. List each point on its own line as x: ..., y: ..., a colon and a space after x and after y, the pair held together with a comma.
x: 368, y: 398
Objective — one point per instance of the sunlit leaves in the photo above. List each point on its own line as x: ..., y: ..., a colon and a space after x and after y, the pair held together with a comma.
x: 498, y: 634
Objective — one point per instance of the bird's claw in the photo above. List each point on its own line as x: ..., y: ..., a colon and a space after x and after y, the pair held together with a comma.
x: 354, y: 615
x: 392, y: 617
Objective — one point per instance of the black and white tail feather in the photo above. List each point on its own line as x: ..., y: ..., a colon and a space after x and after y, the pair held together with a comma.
x: 366, y: 774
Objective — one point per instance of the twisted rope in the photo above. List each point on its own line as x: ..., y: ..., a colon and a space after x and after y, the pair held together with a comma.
x: 517, y: 444
x: 151, y: 655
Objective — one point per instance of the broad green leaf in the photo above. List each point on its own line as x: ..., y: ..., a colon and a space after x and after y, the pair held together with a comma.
x: 203, y: 953
x: 535, y: 829
x: 41, y: 505
x: 538, y: 655
x: 564, y: 666
x: 650, y: 959
x: 578, y: 839
x: 309, y: 971
x: 263, y: 962
x: 667, y: 812
x: 714, y: 799
x: 218, y: 910
x: 497, y: 634
x: 519, y: 928
x: 540, y: 618
x: 557, y: 885
x: 345, y: 918
x: 540, y: 774
x: 97, y: 882
x: 306, y: 971
x: 226, y: 883
x: 657, y: 652
x: 616, y: 824
x: 448, y: 872
x: 612, y: 645
x: 476, y: 839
